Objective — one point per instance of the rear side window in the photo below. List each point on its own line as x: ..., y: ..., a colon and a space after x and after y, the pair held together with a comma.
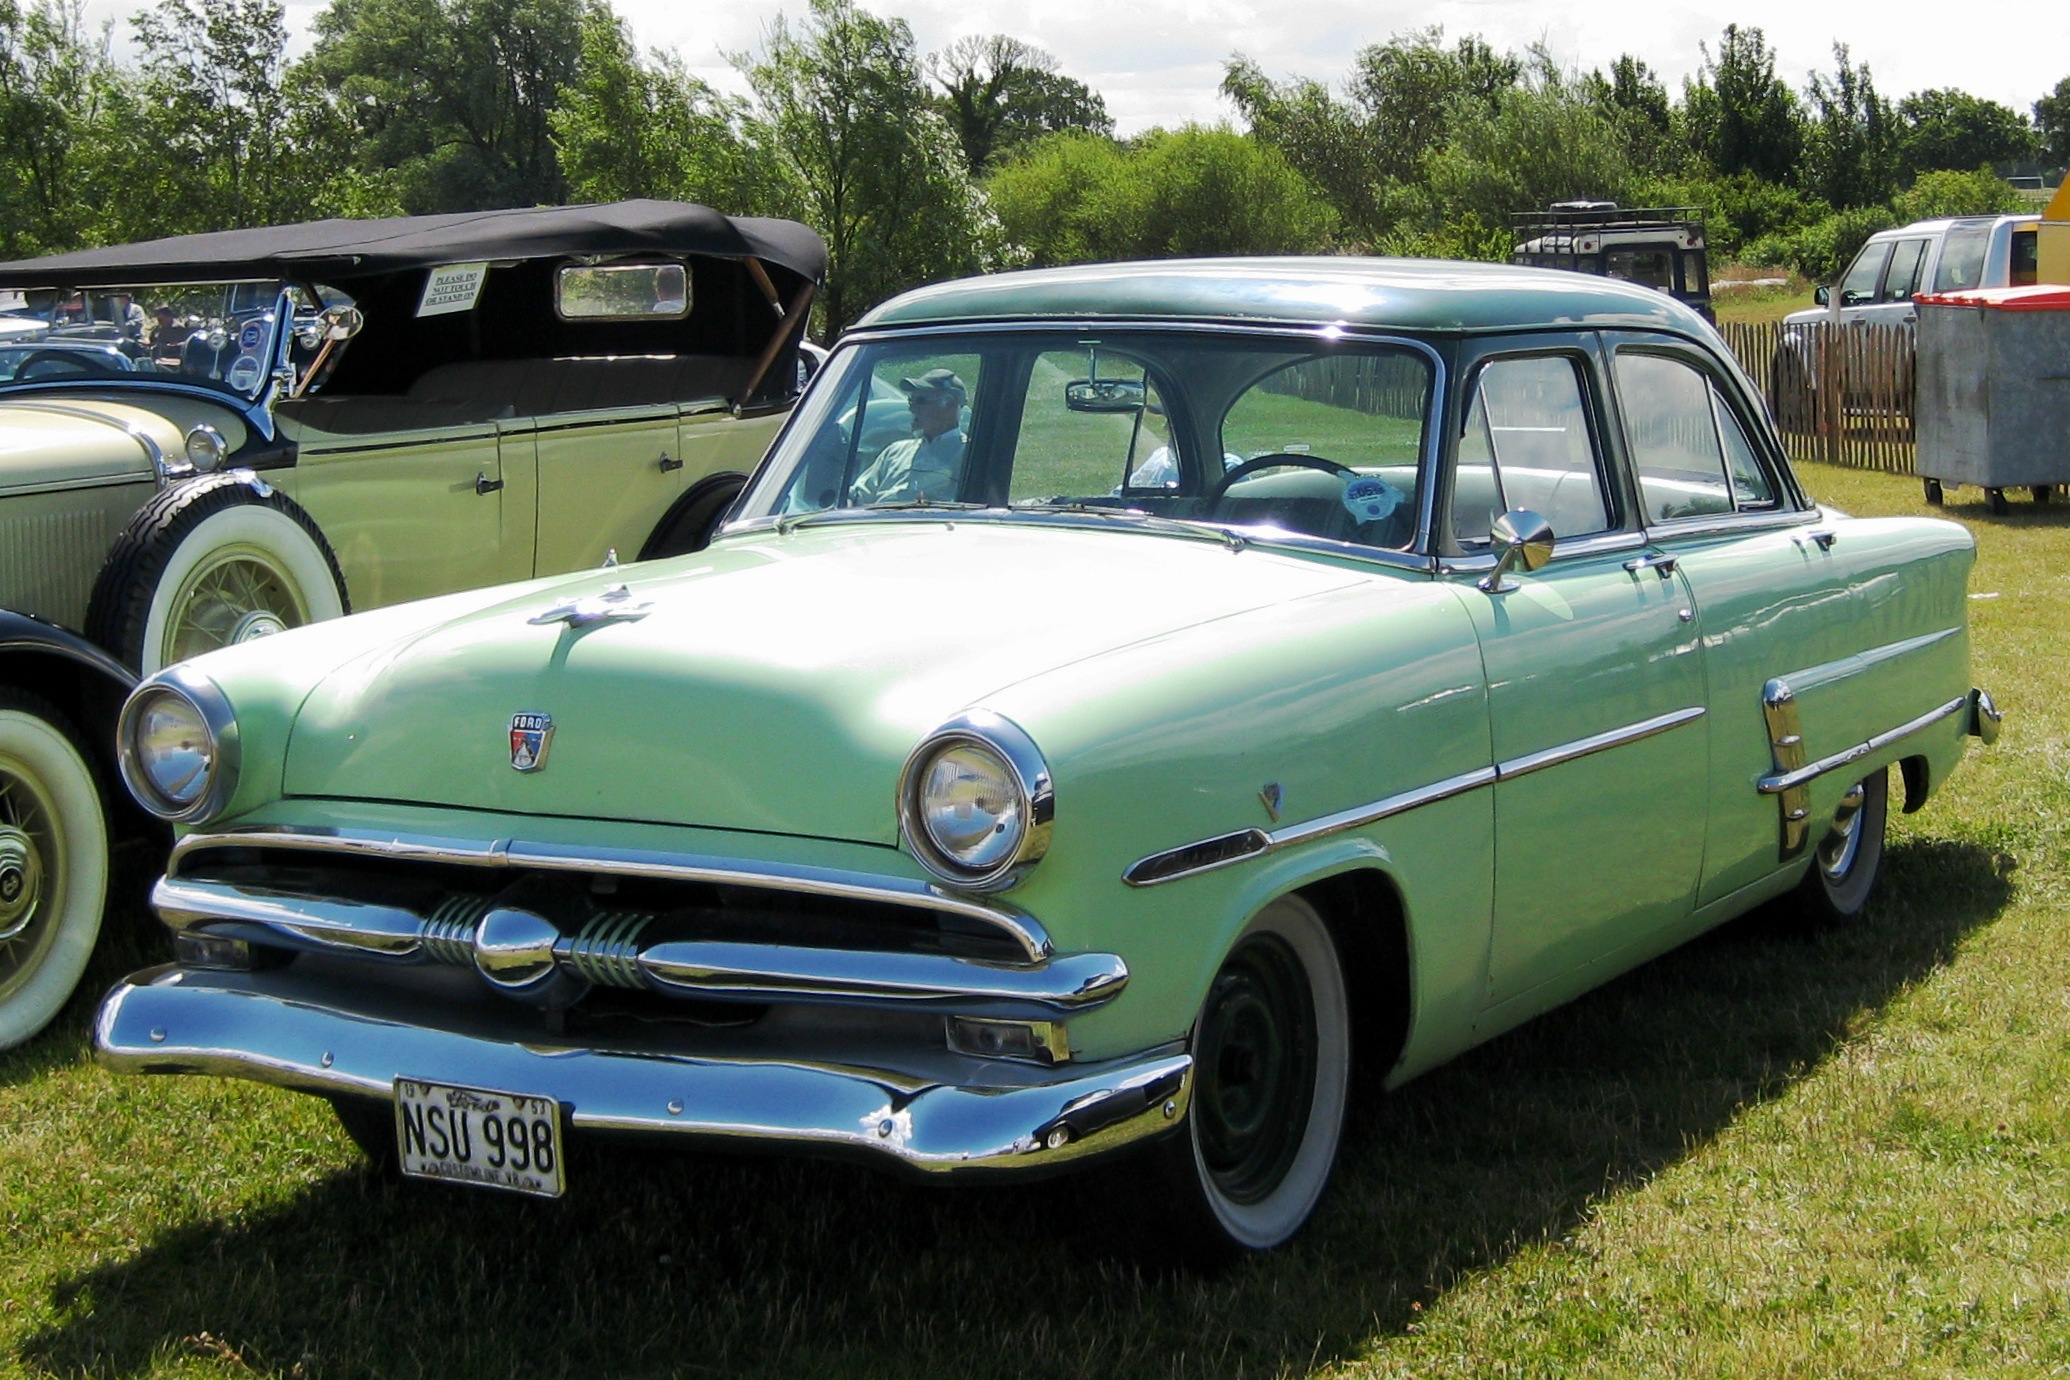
x: 1527, y: 444
x: 1691, y: 454
x: 1962, y: 257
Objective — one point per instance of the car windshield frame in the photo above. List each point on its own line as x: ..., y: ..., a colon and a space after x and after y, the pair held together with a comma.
x: 225, y: 336
x: 828, y: 408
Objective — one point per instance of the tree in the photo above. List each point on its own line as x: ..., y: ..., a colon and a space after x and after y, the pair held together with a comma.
x: 1073, y: 198
x: 856, y: 150
x: 1410, y: 85
x: 1947, y: 192
x: 1323, y: 138
x: 1636, y: 102
x: 1545, y: 140
x: 453, y: 96
x: 1953, y: 129
x: 203, y: 137
x: 626, y: 129
x: 53, y: 85
x: 1741, y: 116
x: 2052, y: 123
x: 1850, y: 146
x: 998, y: 93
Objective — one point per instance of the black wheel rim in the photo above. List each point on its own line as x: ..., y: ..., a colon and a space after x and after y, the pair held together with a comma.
x: 1256, y: 1067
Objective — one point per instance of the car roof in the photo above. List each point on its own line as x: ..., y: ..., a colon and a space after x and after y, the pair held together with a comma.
x: 1943, y: 222
x: 1386, y: 294
x: 341, y: 250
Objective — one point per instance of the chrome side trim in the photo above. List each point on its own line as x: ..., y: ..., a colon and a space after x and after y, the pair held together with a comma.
x: 169, y: 1020
x: 1786, y: 744
x: 1192, y: 859
x: 1025, y: 932
x: 1597, y: 742
x: 1783, y: 782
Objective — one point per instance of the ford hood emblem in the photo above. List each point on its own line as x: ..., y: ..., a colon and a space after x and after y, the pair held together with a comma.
x: 531, y: 734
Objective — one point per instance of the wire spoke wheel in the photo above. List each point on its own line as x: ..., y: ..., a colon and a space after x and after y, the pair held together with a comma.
x: 32, y: 872
x: 53, y: 863
x: 238, y: 595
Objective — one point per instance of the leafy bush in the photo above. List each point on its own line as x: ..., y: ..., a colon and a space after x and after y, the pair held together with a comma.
x: 1979, y: 193
x: 1820, y: 250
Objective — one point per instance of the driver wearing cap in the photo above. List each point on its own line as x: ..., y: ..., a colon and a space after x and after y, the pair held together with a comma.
x: 930, y: 465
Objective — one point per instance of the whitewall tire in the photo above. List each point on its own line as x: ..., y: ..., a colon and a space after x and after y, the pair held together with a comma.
x: 53, y: 863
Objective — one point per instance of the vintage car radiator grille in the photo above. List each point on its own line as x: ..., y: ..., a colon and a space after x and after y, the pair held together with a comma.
x: 547, y: 935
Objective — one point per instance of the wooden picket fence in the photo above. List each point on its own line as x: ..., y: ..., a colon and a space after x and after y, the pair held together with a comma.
x: 1839, y: 393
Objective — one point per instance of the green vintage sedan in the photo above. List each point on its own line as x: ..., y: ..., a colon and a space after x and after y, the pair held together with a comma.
x: 210, y: 438
x: 1225, y: 674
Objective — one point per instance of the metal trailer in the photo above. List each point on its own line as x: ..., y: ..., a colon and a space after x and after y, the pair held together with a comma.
x: 1993, y: 402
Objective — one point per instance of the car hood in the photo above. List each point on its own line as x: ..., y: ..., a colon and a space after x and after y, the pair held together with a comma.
x: 775, y: 683
x: 50, y: 443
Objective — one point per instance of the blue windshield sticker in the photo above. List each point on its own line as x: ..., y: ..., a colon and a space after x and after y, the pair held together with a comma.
x: 1370, y: 500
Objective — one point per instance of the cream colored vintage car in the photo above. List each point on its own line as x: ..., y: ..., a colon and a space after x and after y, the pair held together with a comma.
x: 221, y: 436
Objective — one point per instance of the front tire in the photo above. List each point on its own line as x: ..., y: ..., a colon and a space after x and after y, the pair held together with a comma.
x: 208, y: 565
x: 53, y: 863
x: 1847, y: 860
x: 1272, y: 1062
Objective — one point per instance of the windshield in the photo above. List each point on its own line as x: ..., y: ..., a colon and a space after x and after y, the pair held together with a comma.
x: 1321, y: 438
x: 219, y: 335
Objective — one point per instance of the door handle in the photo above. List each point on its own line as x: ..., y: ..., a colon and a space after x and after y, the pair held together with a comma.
x: 1664, y: 565
x: 485, y: 485
x: 668, y: 463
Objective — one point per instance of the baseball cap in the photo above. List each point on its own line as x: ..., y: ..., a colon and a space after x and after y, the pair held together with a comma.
x: 934, y: 381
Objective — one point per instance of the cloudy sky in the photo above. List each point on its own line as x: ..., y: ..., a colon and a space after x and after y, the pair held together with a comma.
x: 1158, y: 61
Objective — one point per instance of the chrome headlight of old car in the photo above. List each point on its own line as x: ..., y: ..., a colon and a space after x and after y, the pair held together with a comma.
x: 206, y: 448
x: 178, y: 746
x: 975, y: 802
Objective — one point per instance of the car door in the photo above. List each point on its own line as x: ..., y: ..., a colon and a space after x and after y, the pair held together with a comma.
x: 1805, y: 634
x: 606, y: 477
x: 1595, y: 686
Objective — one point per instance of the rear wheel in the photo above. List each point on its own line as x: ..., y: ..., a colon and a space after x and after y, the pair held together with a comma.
x: 1848, y: 858
x: 1994, y: 499
x: 1271, y: 1062
x: 690, y: 523
x: 53, y: 863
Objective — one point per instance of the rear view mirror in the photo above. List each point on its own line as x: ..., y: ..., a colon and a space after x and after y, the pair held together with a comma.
x: 1822, y: 295
x: 1105, y: 395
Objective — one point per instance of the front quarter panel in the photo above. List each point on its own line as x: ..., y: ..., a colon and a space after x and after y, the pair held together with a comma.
x: 1331, y: 702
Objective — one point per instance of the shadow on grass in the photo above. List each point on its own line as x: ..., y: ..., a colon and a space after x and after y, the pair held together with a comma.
x: 661, y: 1265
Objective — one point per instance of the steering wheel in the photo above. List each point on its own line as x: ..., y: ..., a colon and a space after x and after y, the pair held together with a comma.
x: 1273, y: 461
x: 66, y: 360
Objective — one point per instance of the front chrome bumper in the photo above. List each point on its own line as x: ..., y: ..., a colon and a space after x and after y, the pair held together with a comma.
x: 1023, y: 1120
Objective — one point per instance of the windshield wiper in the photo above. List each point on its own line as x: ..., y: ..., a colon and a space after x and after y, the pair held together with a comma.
x: 789, y: 522
x: 1235, y: 541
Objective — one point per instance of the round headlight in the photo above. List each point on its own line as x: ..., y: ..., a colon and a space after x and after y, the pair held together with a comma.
x: 206, y: 447
x: 178, y: 747
x: 976, y: 802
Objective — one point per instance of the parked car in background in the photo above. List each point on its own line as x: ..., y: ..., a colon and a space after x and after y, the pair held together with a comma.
x: 970, y: 807
x: 1662, y: 247
x: 1948, y: 255
x: 222, y: 436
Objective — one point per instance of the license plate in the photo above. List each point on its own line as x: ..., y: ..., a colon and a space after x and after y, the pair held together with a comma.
x: 478, y: 1136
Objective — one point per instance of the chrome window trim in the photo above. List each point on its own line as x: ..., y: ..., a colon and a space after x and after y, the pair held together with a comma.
x: 1577, y: 548
x: 1732, y: 524
x: 1780, y: 782
x: 1026, y: 932
x: 226, y: 756
x: 1167, y: 865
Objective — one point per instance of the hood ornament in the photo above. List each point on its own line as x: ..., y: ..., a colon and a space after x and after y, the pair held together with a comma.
x: 614, y: 603
x: 531, y: 734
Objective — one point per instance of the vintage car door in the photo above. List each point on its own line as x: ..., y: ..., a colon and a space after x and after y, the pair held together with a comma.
x: 1595, y: 687
x: 606, y: 477
x: 413, y: 501
x: 1781, y: 602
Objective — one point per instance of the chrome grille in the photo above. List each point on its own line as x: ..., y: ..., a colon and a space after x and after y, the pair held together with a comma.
x: 607, y: 949
x: 449, y: 930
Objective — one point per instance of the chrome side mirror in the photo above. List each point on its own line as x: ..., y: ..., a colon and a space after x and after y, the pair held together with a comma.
x: 1519, y: 537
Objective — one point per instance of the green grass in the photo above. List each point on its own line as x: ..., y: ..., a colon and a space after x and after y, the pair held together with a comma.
x: 1767, y: 1154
